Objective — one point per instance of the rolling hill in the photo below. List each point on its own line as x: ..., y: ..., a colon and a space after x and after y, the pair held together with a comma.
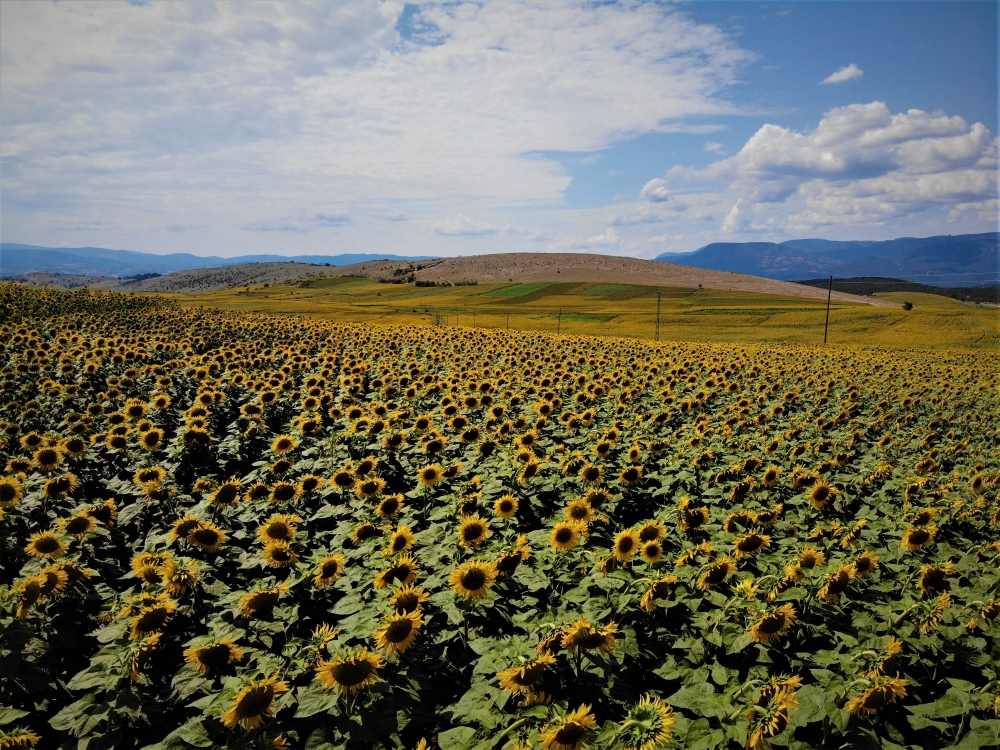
x: 961, y: 260
x: 499, y: 268
x: 18, y: 259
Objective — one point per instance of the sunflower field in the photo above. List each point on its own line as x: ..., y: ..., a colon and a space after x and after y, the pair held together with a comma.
x: 257, y: 531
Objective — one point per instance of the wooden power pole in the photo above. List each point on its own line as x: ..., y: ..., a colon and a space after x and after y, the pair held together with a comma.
x: 658, y: 316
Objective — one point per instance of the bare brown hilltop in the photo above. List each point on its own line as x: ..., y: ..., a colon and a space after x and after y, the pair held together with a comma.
x: 498, y: 268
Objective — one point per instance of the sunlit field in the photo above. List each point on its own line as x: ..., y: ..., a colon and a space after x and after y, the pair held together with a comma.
x: 263, y: 531
x: 628, y: 311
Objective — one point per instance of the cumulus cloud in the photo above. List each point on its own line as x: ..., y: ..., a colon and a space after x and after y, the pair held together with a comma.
x: 655, y: 190
x: 463, y: 225
x: 847, y: 73
x: 607, y: 239
x: 201, y: 109
x: 861, y: 165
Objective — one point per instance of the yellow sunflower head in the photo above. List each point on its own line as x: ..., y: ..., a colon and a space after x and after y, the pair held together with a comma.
x: 472, y: 580
x: 254, y: 702
x: 350, y: 673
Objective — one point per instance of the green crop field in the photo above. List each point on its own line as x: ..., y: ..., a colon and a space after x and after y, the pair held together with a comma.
x: 589, y: 309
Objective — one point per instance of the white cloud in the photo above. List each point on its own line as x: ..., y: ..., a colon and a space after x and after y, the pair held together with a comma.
x: 846, y: 73
x: 205, y: 109
x: 463, y: 225
x: 715, y: 148
x: 655, y: 190
x: 607, y: 239
x: 862, y: 165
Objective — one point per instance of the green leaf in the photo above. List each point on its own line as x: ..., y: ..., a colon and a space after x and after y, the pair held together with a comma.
x: 313, y: 699
x: 459, y: 738
x: 8, y: 715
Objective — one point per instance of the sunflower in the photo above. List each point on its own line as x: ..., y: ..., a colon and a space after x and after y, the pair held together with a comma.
x: 283, y: 444
x: 773, y: 624
x: 507, y: 563
x: 716, y: 573
x: 151, y: 439
x: 45, y: 544
x: 882, y: 691
x: 398, y: 632
x: 280, y: 527
x: 592, y: 474
x: 836, y: 583
x: 369, y: 487
x: 930, y: 622
x: 472, y: 580
x: 183, y: 526
x: 283, y: 492
x: 213, y: 658
x: 47, y: 459
x: 821, y: 494
x: 569, y: 733
x: 750, y: 544
x: 350, y: 673
x: 328, y: 570
x: 691, y: 518
x: 771, y: 476
x: 344, y: 479
x: 227, y: 494
x: 651, y: 552
x: 260, y: 603
x: 579, y: 511
x: 151, y: 618
x: 521, y: 680
x: 769, y: 714
x: 865, y: 563
x: 505, y: 506
x: 658, y: 589
x: 916, y: 538
x: 17, y: 737
x: 53, y: 579
x: 652, y: 531
x: 430, y: 475
x: 582, y: 635
x: 151, y: 475
x: 626, y: 544
x: 106, y: 512
x: 77, y: 525
x: 472, y: 532
x: 648, y: 725
x: 933, y: 579
x: 11, y: 492
x: 400, y: 541
x: 207, y: 536
x: 565, y: 536
x: 365, y: 531
x: 630, y: 476
x: 29, y: 593
x: 278, y: 555
x: 408, y: 598
x: 403, y: 570
x: 254, y: 702
x: 810, y: 558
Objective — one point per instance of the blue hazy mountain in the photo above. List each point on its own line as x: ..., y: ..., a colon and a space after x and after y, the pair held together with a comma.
x: 960, y: 260
x: 98, y: 261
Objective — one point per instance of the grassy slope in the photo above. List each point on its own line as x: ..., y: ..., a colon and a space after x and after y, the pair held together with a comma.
x: 627, y: 310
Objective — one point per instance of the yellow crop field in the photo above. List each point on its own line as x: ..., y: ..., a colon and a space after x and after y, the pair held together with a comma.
x: 627, y: 311
x: 245, y: 530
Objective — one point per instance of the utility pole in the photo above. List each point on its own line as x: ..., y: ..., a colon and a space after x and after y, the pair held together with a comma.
x: 508, y: 321
x: 658, y: 316
x: 473, y: 318
x: 559, y: 324
x: 829, y: 293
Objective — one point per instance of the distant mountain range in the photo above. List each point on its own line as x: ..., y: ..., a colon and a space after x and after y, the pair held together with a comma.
x: 960, y: 260
x: 97, y: 261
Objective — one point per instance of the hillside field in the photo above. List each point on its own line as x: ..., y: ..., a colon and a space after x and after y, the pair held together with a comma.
x: 627, y: 310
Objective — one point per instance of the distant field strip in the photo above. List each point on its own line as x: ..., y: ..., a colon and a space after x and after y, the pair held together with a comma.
x: 516, y: 290
x: 624, y: 310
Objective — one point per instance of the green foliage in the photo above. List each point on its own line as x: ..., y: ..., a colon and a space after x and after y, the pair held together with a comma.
x: 99, y: 640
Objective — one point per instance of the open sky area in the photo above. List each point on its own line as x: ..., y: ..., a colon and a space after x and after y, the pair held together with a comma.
x: 631, y: 128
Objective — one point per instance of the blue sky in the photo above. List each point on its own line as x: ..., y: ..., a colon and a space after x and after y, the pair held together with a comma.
x: 442, y: 129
